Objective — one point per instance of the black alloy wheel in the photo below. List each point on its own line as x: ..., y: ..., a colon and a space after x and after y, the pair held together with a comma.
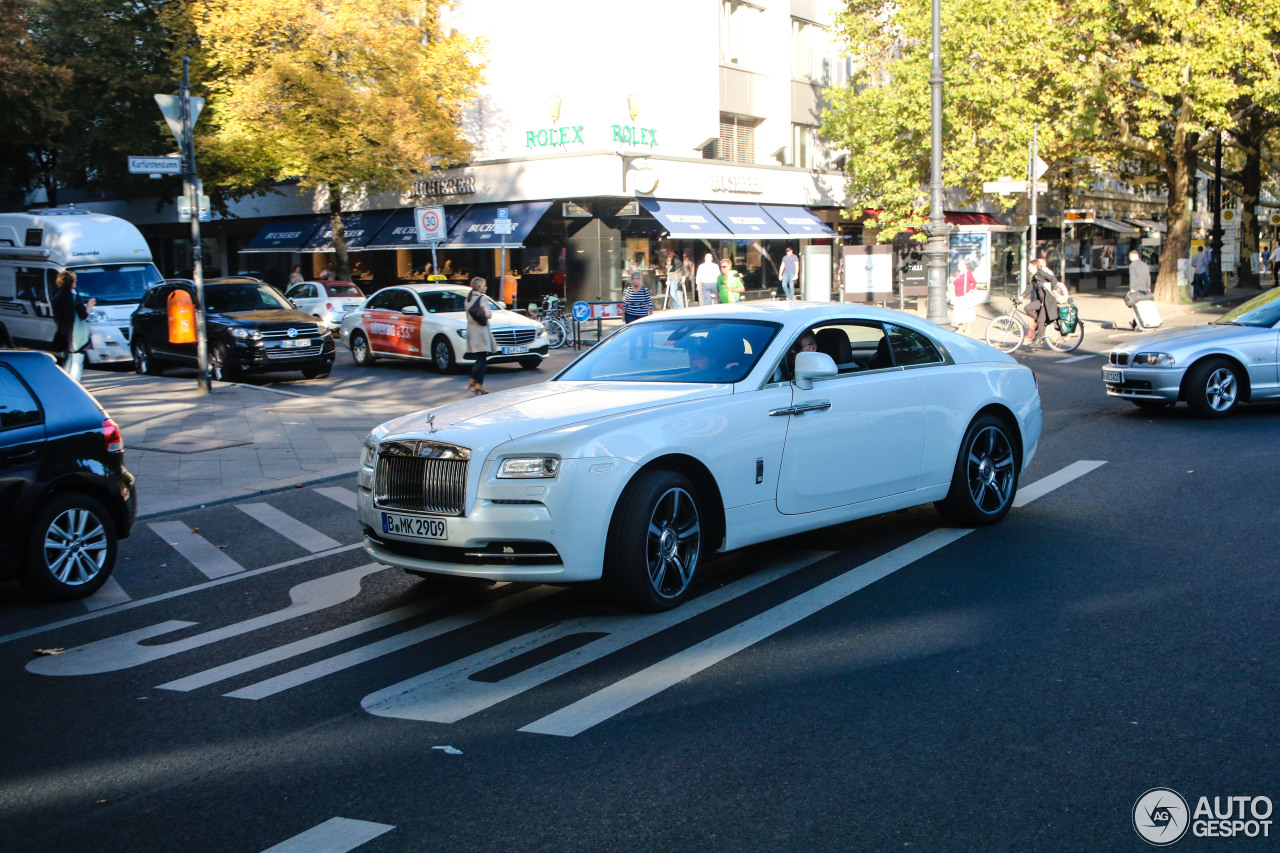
x: 985, y: 478
x: 654, y: 543
x: 222, y: 367
x: 144, y: 363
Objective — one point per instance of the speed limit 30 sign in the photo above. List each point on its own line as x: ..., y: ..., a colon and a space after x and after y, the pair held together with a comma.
x: 431, y: 224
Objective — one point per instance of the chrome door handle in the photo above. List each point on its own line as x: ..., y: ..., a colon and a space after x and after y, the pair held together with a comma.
x: 820, y: 406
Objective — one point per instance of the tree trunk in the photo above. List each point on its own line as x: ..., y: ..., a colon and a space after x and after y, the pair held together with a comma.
x: 341, y: 260
x: 1180, y: 168
x: 1250, y: 141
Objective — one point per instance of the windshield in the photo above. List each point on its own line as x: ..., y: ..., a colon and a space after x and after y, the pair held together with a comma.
x: 343, y: 290
x: 700, y: 350
x: 449, y: 301
x: 225, y: 298
x: 1262, y: 310
x: 120, y: 284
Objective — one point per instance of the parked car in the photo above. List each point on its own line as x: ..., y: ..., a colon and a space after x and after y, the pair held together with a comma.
x: 328, y: 301
x: 251, y: 328
x: 65, y: 495
x: 428, y: 321
x: 1213, y: 367
x: 696, y: 431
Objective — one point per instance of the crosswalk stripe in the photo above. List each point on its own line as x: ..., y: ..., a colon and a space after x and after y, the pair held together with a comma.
x: 108, y: 595
x: 346, y: 497
x: 207, y: 558
x: 1078, y: 358
x: 320, y: 669
x: 335, y: 835
x: 289, y: 527
x: 617, y: 697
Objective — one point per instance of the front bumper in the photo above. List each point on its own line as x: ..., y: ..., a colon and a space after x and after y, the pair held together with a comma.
x: 109, y: 344
x: 254, y: 357
x: 536, y: 531
x: 1143, y: 383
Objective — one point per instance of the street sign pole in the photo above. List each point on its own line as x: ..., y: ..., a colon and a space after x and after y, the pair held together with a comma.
x: 204, y: 383
x: 1033, y: 194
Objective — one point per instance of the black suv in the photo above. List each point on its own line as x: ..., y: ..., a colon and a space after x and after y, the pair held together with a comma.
x: 65, y: 496
x: 251, y: 328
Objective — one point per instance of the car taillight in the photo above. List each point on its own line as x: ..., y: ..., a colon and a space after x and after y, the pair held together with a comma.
x: 111, y: 435
x: 328, y: 306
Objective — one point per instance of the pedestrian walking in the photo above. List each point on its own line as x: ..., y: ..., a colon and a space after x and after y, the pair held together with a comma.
x: 790, y: 271
x: 675, y: 279
x: 708, y: 275
x: 295, y: 277
x: 964, y: 288
x: 71, y: 323
x: 637, y: 302
x: 1139, y: 297
x: 729, y: 284
x: 1200, y: 280
x: 1275, y: 266
x: 479, y: 336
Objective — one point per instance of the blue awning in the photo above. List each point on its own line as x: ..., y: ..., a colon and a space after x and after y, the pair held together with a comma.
x: 358, y: 227
x: 475, y: 230
x: 798, y: 221
x: 748, y: 221
x: 401, y: 232
x: 287, y: 234
x: 686, y: 219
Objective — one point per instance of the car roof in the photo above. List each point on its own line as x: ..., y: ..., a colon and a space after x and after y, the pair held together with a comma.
x: 794, y: 313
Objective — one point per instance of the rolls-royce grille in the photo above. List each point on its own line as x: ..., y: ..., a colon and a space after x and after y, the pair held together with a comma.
x: 1120, y: 358
x: 417, y: 484
x: 513, y: 337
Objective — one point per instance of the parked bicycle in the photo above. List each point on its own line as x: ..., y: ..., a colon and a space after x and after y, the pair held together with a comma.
x: 1007, y: 332
x: 550, y: 315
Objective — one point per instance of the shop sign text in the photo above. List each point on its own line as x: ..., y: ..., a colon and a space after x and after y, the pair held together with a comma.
x: 553, y: 136
x: 632, y: 135
x: 736, y: 184
x: 445, y: 186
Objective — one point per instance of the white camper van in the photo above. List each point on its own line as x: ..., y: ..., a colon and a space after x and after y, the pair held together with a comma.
x: 109, y: 257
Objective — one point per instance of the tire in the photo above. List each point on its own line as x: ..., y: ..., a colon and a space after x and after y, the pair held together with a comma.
x: 1005, y: 333
x: 1152, y: 405
x: 651, y: 572
x: 222, y: 368
x: 442, y: 355
x: 72, y: 549
x: 1212, y: 388
x: 321, y: 372
x: 531, y: 363
x: 557, y: 333
x: 1064, y: 342
x: 144, y: 363
x: 985, y: 477
x: 361, y: 351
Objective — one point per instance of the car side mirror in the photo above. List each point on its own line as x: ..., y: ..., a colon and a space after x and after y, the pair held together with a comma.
x: 294, y: 304
x: 813, y: 367
x: 410, y: 309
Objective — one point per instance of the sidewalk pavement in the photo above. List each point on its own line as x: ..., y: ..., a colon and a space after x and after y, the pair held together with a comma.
x: 190, y: 449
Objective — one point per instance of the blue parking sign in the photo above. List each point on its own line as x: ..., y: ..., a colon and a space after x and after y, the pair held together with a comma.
x: 581, y: 311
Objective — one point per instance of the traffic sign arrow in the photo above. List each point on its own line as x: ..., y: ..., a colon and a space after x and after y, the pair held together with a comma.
x: 171, y: 107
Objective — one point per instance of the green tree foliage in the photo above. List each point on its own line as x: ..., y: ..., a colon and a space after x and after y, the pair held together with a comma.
x: 30, y: 116
x: 343, y: 96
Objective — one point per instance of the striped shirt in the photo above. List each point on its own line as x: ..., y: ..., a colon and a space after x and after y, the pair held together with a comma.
x: 638, y: 301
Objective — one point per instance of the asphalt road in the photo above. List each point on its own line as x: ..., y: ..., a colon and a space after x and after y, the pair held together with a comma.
x: 887, y: 684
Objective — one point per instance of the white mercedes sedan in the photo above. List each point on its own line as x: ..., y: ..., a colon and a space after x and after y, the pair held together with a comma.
x: 699, y: 431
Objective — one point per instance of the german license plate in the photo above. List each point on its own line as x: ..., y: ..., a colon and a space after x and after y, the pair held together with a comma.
x: 1112, y: 376
x: 514, y: 350
x: 295, y: 343
x: 419, y: 528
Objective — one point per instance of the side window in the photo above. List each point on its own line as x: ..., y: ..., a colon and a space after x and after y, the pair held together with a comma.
x: 30, y: 284
x: 17, y: 406
x: 912, y: 349
x: 432, y: 301
x: 387, y: 300
x: 308, y: 291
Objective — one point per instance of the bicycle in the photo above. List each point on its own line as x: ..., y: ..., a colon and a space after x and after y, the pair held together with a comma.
x: 551, y: 316
x: 1007, y: 332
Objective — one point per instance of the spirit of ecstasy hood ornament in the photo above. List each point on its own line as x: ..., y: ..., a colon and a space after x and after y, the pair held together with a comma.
x: 431, y: 423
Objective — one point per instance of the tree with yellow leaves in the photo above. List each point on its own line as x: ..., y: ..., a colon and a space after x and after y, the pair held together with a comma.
x: 344, y: 96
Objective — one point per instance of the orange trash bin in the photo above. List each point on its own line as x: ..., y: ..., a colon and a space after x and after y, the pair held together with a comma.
x: 182, y: 318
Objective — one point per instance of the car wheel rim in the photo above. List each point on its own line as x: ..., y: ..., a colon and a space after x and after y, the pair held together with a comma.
x: 359, y: 349
x: 1220, y: 390
x: 990, y: 469
x: 672, y: 543
x: 442, y: 356
x: 139, y: 360
x: 75, y: 547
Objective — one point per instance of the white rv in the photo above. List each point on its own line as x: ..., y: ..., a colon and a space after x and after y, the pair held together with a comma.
x: 111, y: 261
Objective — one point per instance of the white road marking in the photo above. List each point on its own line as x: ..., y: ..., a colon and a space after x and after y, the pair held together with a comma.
x: 346, y: 497
x: 336, y: 835
x: 448, y: 693
x: 210, y: 561
x: 621, y: 695
x: 1079, y: 358
x: 289, y: 527
x: 176, y: 593
x: 320, y: 669
x: 126, y: 650
x: 1042, y: 487
x: 108, y: 595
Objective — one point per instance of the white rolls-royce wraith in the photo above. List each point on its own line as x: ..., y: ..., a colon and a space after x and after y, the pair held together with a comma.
x: 697, y: 431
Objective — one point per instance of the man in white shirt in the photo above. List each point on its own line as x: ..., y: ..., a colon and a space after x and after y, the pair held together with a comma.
x: 790, y: 271
x: 1200, y: 281
x: 707, y: 278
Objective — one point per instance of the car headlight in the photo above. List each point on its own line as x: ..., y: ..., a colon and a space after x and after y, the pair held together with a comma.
x: 542, y: 330
x: 462, y: 333
x: 97, y: 315
x: 529, y: 467
x: 246, y: 334
x: 1153, y: 359
x: 369, y: 450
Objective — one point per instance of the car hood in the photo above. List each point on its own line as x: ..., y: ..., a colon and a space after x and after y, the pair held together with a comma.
x: 1191, y: 337
x: 483, y: 421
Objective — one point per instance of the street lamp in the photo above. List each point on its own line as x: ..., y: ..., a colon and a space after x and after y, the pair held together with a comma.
x: 937, y: 250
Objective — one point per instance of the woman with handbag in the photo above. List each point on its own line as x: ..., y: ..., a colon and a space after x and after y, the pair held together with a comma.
x: 71, y: 319
x: 479, y: 336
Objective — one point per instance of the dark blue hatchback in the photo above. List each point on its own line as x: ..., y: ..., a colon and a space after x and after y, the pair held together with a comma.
x: 65, y: 495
